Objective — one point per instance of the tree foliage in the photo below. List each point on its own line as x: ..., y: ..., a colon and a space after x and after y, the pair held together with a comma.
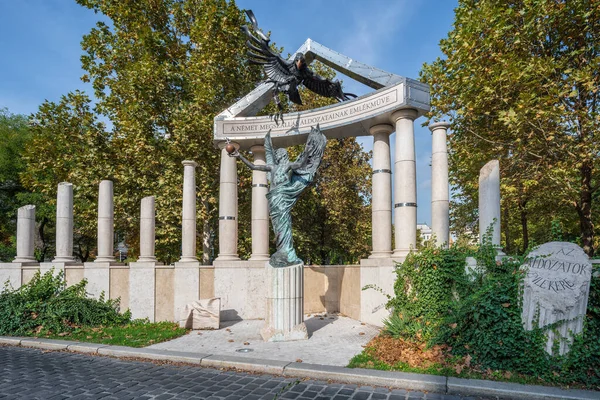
x: 161, y: 71
x: 14, y: 136
x: 520, y: 83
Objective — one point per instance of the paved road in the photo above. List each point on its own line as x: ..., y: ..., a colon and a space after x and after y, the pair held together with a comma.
x: 35, y: 374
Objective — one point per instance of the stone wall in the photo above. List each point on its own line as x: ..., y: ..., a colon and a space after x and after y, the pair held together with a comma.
x: 148, y: 289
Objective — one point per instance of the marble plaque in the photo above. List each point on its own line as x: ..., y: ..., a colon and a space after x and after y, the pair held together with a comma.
x: 556, y: 288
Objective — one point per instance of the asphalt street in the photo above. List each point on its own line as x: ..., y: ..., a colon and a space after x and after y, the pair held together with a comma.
x: 37, y: 374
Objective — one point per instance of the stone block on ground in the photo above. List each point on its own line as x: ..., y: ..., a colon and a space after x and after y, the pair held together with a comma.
x: 201, y: 314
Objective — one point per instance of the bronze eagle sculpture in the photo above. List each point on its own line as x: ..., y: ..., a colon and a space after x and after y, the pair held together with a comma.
x: 287, y: 75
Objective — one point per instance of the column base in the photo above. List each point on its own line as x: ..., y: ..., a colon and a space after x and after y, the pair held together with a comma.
x: 64, y: 260
x: 227, y: 257
x: 285, y: 304
x: 104, y: 259
x: 25, y: 260
x: 400, y: 253
x: 188, y: 259
x: 146, y: 260
x: 259, y: 257
x: 381, y: 254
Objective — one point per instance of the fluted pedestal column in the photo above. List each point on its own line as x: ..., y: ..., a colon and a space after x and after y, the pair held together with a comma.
x: 440, y: 198
x: 381, y: 193
x: 228, y: 207
x: 405, y: 183
x: 25, y: 234
x: 106, y: 229
x: 260, y: 208
x: 285, y: 304
x: 64, y: 223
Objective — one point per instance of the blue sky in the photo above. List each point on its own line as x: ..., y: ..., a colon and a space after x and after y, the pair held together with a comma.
x: 40, y: 41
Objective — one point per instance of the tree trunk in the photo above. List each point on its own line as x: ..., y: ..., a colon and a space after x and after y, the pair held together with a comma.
x: 524, y: 226
x: 584, y: 210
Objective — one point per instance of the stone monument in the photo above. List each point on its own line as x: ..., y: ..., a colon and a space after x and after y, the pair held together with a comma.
x: 285, y: 271
x: 556, y: 288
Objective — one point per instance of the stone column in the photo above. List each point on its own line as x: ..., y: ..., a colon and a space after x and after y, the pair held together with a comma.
x: 147, y: 231
x: 188, y: 219
x: 405, y: 183
x: 489, y: 201
x: 106, y: 228
x: 228, y: 206
x: 381, y: 192
x: 25, y: 234
x: 64, y: 223
x: 260, y: 208
x: 440, y: 198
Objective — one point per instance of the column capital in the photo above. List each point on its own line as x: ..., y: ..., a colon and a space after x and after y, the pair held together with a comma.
x: 406, y: 113
x: 381, y: 128
x: 257, y: 148
x: 222, y: 145
x: 189, y: 163
x: 439, y: 125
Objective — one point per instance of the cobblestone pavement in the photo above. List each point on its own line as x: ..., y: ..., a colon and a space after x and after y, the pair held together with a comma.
x: 35, y: 374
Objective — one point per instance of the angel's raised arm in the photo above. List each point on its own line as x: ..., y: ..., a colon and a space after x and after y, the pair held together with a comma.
x: 269, y: 149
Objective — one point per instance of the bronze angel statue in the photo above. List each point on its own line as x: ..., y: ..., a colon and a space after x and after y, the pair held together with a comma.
x: 287, y: 181
x: 287, y: 75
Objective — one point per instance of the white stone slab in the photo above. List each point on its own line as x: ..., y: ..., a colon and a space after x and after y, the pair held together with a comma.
x: 142, y: 294
x: 373, y: 300
x: 557, y: 286
x: 187, y: 285
x: 11, y: 274
x: 241, y: 287
x: 98, y: 278
x: 201, y: 314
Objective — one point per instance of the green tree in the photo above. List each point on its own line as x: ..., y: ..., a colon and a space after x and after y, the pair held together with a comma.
x: 520, y: 83
x: 160, y: 70
x: 14, y: 137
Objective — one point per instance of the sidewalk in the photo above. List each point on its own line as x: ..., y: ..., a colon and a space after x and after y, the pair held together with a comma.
x: 291, y: 368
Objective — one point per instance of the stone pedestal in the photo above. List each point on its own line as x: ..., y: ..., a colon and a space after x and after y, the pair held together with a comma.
x: 379, y: 275
x: 142, y: 292
x: 285, y: 307
x: 57, y: 267
x: 242, y: 289
x: 186, y: 281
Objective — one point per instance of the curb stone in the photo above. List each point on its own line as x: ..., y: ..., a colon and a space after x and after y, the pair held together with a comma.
x: 389, y: 379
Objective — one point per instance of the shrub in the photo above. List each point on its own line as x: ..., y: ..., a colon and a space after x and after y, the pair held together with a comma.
x: 46, y: 305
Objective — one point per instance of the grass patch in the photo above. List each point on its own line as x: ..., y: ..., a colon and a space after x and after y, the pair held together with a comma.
x: 134, y: 334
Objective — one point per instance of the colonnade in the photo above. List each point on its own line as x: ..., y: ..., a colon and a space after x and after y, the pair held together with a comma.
x: 404, y: 200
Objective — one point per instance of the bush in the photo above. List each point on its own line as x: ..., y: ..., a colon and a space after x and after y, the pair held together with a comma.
x: 45, y: 306
x: 427, y: 283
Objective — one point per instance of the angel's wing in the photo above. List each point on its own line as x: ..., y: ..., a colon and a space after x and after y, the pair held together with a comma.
x: 311, y: 156
x: 324, y: 87
x: 269, y: 149
x: 259, y: 52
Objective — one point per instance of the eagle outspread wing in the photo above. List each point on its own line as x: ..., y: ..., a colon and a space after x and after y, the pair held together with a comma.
x: 260, y: 53
x: 324, y: 87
